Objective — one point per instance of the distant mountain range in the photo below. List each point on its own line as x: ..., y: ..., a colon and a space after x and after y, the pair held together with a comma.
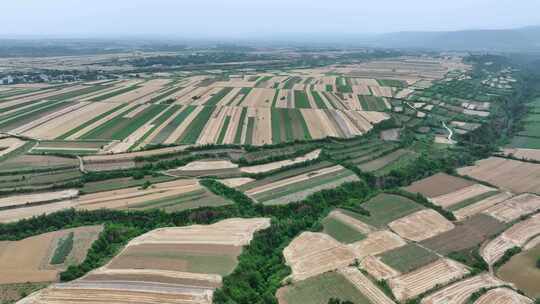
x: 521, y: 39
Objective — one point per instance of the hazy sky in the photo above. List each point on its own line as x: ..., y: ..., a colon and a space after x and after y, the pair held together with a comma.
x: 237, y: 18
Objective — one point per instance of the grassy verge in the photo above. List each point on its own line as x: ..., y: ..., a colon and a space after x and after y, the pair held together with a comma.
x: 63, y: 249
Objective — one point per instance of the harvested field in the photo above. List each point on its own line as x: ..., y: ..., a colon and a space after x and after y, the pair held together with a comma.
x: 149, y: 269
x: 13, y: 215
x: 481, y: 205
x: 376, y: 243
x: 236, y: 181
x: 525, y: 154
x: 233, y: 232
x: 10, y: 144
x: 457, y: 197
x: 421, y: 225
x: 366, y: 287
x: 438, y: 273
x: 408, y: 258
x: 522, y: 271
x: 516, y: 236
x: 377, y: 269
x: 311, y: 254
x: 467, y: 235
x: 511, y: 209
x: 507, y: 174
x: 438, y: 184
x: 119, y: 292
x: 202, y: 165
x: 503, y: 295
x: 28, y: 260
x: 459, y: 292
x: 279, y: 164
x: 300, y: 186
x: 38, y: 198
x: 320, y: 289
x: 385, y: 208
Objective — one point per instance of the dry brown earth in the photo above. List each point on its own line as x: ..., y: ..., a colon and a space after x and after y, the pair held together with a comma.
x: 515, y: 207
x: 414, y: 283
x: 421, y: 225
x: 459, y: 292
x: 376, y: 243
x: 311, y: 254
x: 512, y: 175
x: 503, y: 296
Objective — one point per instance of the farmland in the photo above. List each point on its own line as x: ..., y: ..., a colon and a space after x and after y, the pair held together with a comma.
x: 521, y: 270
x: 385, y: 208
x: 320, y: 289
x: 252, y: 185
x: 525, y: 177
x: 201, y: 255
x: 33, y: 259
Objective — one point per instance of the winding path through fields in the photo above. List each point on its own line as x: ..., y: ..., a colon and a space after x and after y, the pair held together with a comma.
x: 451, y: 133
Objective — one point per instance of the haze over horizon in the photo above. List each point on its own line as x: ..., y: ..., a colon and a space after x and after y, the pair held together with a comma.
x: 248, y: 19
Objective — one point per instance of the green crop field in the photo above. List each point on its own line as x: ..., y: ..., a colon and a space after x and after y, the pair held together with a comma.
x: 64, y: 247
x: 532, y: 117
x: 390, y: 83
x: 532, y: 129
x: 276, y: 125
x: 91, y: 121
x: 124, y: 182
x: 73, y: 94
x: 114, y: 93
x: 194, y: 129
x: 121, y: 127
x: 301, y: 100
x: 172, y: 125
x: 372, y: 103
x: 158, y: 122
x: 240, y: 128
x: 385, y: 208
x: 302, y: 186
x: 289, y: 84
x: 224, y: 129
x: 341, y: 231
x: 218, y: 96
x: 165, y: 94
x: 244, y: 92
x: 288, y: 125
x: 190, y: 200
x: 525, y: 142
x: 299, y: 125
x: 408, y: 258
x: 275, y: 99
x: 64, y: 151
x: 18, y: 117
x: 320, y: 289
x: 318, y: 100
x: 249, y: 131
